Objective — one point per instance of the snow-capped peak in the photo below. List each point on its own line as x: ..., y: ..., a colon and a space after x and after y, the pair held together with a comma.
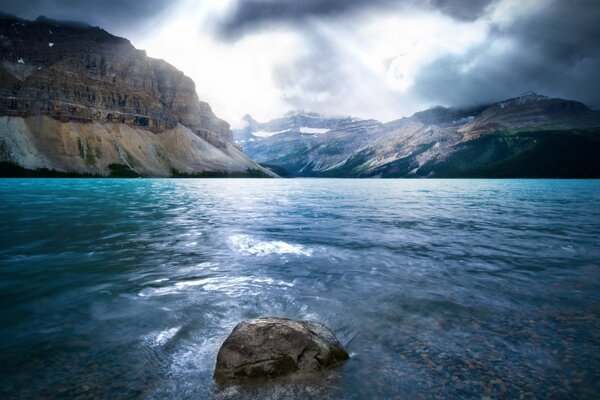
x: 529, y: 97
x: 524, y: 98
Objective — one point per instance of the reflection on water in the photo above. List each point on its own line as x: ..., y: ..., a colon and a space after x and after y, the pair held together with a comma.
x: 440, y: 289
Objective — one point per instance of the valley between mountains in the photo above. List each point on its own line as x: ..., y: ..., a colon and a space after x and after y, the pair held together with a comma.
x: 78, y: 101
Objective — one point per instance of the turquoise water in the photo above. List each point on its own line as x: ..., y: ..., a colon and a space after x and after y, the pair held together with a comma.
x: 460, y: 289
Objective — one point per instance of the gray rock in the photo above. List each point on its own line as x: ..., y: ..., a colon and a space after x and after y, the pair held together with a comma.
x: 272, y: 347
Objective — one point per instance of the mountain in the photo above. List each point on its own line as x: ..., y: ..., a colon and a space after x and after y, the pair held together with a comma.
x: 75, y: 99
x: 526, y: 136
x: 299, y: 123
x: 290, y: 144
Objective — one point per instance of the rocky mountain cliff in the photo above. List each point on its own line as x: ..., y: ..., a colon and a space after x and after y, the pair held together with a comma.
x: 74, y: 98
x: 527, y: 136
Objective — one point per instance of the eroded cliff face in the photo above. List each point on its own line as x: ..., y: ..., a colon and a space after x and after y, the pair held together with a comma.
x: 105, y: 148
x: 83, y: 79
x: 72, y: 72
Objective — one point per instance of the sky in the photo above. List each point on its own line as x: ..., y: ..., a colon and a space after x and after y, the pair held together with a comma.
x: 381, y: 59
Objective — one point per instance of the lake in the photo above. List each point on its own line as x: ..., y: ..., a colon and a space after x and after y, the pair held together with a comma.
x: 454, y: 289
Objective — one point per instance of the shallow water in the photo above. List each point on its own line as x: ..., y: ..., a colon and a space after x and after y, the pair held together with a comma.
x: 440, y: 288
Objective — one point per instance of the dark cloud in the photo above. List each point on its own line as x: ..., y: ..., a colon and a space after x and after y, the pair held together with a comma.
x: 459, y: 9
x: 309, y: 84
x: 250, y: 14
x: 253, y: 14
x: 555, y: 51
x: 328, y: 80
x: 109, y: 14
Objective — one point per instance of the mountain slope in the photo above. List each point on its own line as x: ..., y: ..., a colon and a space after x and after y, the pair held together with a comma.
x: 75, y: 98
x: 299, y: 122
x: 527, y: 136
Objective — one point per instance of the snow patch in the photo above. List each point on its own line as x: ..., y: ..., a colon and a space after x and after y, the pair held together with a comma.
x: 50, y: 44
x: 267, y: 133
x: 465, y: 120
x: 21, y: 61
x: 306, y: 129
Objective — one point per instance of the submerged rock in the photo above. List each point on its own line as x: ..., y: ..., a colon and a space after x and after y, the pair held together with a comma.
x: 272, y: 347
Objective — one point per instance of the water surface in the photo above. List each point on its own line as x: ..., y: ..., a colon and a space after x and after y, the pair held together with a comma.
x: 462, y: 289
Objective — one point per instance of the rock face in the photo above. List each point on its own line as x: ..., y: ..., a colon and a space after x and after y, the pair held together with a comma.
x: 102, y: 148
x: 90, y: 82
x: 527, y: 136
x: 272, y: 347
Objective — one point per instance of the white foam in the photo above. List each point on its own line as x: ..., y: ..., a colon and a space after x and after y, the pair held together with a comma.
x: 220, y: 284
x: 248, y: 245
x: 229, y: 285
x: 177, y: 287
x: 161, y: 338
x: 200, y: 358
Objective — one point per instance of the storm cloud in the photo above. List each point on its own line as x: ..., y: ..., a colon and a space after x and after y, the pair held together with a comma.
x: 552, y: 48
x: 120, y: 15
x: 253, y: 14
x: 379, y: 59
x: 555, y: 51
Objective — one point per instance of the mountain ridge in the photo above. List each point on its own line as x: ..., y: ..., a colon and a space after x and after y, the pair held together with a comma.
x: 300, y: 122
x: 435, y: 143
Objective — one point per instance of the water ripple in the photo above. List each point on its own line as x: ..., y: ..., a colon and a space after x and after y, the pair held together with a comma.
x: 456, y: 289
x: 249, y: 245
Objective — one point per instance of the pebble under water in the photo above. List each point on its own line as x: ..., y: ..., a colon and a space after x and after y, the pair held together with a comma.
x: 453, y: 289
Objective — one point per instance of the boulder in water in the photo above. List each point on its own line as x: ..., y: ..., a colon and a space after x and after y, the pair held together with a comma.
x: 272, y: 347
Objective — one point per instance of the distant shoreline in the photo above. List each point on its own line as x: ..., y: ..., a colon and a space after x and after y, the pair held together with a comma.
x: 12, y: 170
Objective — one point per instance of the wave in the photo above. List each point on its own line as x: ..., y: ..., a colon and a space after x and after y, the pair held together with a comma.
x: 161, y: 338
x: 232, y: 286
x: 249, y: 245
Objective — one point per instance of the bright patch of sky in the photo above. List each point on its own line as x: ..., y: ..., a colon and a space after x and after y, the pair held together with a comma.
x: 368, y: 68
